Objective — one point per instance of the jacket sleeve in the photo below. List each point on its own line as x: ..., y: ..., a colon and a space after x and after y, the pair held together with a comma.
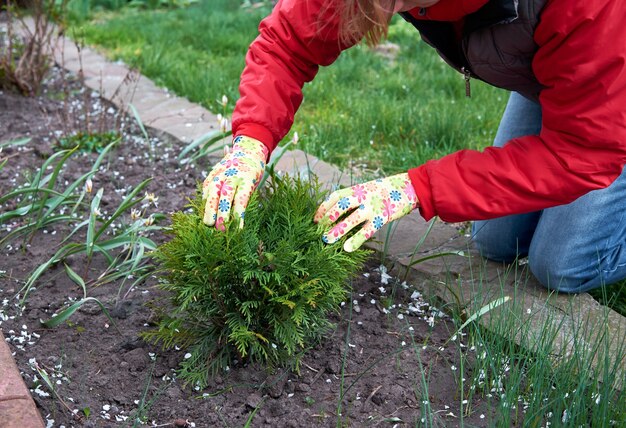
x: 294, y: 40
x: 581, y: 62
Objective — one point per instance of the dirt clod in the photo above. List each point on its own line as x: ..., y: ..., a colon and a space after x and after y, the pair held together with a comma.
x: 253, y: 400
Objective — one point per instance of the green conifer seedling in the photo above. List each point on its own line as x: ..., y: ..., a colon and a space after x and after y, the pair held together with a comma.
x: 262, y: 293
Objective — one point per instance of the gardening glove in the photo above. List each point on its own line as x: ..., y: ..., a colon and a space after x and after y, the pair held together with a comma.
x: 370, y: 205
x: 231, y: 182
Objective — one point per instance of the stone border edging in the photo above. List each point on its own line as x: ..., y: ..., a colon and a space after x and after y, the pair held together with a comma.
x: 17, y: 408
x: 157, y: 108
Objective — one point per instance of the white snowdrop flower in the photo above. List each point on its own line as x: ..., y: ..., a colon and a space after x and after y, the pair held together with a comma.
x: 106, y: 407
x: 88, y: 185
x: 403, y: 343
x: 373, y: 301
x: 328, y: 381
x: 382, y: 290
x: 464, y: 402
x: 223, y: 125
x: 482, y: 416
x: 224, y: 100
x: 295, y: 138
x: 453, y: 338
x: 219, y: 117
x: 400, y: 316
x: 187, y: 356
x: 565, y: 416
x: 453, y: 368
x: 274, y: 346
x: 366, y: 275
x: 598, y: 398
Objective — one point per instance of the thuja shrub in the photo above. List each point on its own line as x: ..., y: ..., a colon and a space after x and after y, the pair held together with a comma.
x: 262, y: 293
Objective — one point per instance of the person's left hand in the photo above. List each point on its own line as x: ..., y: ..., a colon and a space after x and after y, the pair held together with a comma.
x: 370, y: 205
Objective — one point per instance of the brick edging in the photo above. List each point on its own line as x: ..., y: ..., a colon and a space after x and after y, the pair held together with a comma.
x: 17, y: 408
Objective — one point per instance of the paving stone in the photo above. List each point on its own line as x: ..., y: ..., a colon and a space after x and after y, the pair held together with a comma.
x: 299, y: 163
x: 400, y: 238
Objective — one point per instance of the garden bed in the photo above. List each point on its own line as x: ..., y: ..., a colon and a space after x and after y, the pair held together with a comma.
x: 389, y: 361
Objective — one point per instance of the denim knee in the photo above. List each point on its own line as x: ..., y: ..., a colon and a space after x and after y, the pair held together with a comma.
x: 567, y: 273
x: 494, y: 249
x: 505, y: 239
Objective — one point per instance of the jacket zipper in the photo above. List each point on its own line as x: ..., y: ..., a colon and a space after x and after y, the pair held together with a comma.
x: 467, y: 75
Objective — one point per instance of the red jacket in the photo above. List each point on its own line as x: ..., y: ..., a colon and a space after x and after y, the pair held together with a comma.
x: 580, y: 62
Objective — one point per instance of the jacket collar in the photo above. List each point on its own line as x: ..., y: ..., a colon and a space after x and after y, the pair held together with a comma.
x: 448, y: 10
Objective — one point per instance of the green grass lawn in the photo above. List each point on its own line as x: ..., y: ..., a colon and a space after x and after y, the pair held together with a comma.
x: 365, y: 110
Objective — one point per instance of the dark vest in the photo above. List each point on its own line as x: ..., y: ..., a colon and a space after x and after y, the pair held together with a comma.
x: 497, y: 43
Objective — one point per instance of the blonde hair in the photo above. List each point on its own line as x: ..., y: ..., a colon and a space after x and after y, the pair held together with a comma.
x: 367, y: 19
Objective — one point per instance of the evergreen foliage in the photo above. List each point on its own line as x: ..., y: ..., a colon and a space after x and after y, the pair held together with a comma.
x: 262, y: 293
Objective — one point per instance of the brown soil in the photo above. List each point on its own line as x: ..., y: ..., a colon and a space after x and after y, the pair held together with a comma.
x: 376, y: 356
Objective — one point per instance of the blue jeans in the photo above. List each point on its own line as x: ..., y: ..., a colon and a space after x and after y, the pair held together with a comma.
x: 571, y: 248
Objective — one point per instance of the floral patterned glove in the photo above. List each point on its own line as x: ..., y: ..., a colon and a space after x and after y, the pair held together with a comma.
x: 231, y: 182
x: 370, y: 205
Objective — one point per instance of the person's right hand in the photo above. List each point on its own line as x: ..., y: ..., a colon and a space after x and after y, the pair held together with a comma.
x: 231, y: 182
